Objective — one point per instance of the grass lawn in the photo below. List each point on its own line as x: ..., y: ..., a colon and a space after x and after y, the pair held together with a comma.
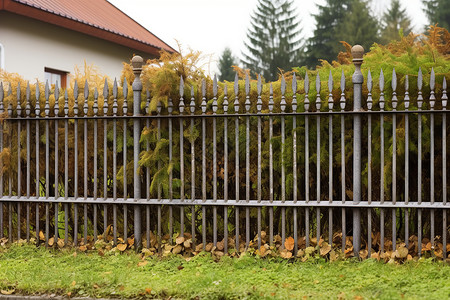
x: 29, y: 269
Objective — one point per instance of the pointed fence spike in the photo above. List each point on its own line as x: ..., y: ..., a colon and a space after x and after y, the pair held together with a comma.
x: 95, y: 106
x: 406, y: 82
x: 192, y: 104
x: 369, y: 81
x: 294, y: 84
x: 406, y: 99
x: 306, y: 83
x: 47, y: 90
x: 236, y: 84
x: 381, y: 80
x: 444, y: 97
x: 66, y: 103
x: 115, y: 88
x: 247, y: 84
x: 27, y: 91
x: 56, y: 92
x: 215, y: 86
x: 125, y: 88
x: 318, y: 83
x: 86, y: 89
x: 18, y: 94
x: 369, y: 88
x: 342, y: 81
x: 28, y: 96
x: 419, y: 79
x: 432, y: 79
x: 181, y: 86
x: 394, y: 87
x: 330, y: 82
x: 106, y: 90
x: 10, y: 89
x: 283, y: 85
x: 271, y: 98
x: 225, y: 99
x: 394, y: 80
x: 259, y: 85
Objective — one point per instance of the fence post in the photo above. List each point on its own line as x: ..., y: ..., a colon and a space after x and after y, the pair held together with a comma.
x: 137, y: 63
x: 358, y: 79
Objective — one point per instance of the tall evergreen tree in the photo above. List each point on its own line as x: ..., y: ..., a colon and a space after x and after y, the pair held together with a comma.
x: 438, y: 11
x: 394, y: 19
x: 358, y: 27
x: 272, y: 39
x: 340, y: 20
x: 226, y: 61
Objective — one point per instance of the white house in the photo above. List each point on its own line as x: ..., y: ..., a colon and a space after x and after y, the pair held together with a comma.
x: 46, y: 39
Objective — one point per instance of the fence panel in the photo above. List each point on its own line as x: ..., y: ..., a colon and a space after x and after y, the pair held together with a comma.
x: 228, y: 171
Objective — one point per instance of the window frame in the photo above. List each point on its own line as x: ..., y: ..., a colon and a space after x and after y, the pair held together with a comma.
x: 63, y: 75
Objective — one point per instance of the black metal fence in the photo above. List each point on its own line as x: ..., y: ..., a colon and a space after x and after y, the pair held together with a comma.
x: 320, y: 169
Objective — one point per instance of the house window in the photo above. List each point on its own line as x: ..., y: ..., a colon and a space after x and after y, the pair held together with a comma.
x: 2, y: 57
x: 53, y: 76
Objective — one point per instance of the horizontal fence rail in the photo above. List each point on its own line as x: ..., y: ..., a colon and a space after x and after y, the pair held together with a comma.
x: 235, y: 170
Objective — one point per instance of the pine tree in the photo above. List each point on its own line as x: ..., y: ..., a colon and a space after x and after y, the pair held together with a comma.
x: 358, y: 27
x: 272, y: 39
x: 323, y: 43
x: 341, y: 20
x: 438, y: 11
x: 394, y: 19
x: 226, y: 62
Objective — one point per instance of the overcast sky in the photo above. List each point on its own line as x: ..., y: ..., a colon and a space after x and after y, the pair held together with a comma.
x: 211, y: 25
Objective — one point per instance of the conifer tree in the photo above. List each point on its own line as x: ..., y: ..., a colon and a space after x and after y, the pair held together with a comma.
x: 272, y: 39
x: 341, y: 20
x: 226, y: 62
x: 323, y: 43
x: 358, y: 27
x: 438, y: 11
x: 394, y: 20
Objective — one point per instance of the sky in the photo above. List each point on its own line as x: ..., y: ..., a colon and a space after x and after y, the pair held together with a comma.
x: 211, y: 25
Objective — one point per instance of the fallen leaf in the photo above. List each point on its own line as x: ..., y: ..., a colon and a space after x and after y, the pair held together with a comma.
x: 41, y: 236
x: 148, y: 290
x: 401, y: 252
x: 73, y: 283
x: 177, y: 249
x: 325, y: 248
x: 289, y: 243
x: 179, y: 240
x: 60, y: 243
x: 82, y: 248
x: 7, y: 292
x: 51, y: 242
x: 187, y: 243
x: 69, y: 294
x: 180, y: 267
x: 122, y: 247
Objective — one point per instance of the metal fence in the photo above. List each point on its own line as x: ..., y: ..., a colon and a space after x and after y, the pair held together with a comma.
x: 321, y: 170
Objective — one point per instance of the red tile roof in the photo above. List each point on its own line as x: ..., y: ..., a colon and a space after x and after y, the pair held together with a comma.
x: 98, y: 18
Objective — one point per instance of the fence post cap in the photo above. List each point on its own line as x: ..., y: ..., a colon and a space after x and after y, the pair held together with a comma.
x: 137, y: 63
x: 357, y: 52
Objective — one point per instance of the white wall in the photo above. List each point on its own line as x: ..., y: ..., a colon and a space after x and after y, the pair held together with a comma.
x: 30, y: 46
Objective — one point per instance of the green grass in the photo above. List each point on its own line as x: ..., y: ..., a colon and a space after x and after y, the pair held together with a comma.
x: 32, y: 270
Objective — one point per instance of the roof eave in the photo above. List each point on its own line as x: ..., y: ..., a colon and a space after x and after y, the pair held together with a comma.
x: 78, y: 26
